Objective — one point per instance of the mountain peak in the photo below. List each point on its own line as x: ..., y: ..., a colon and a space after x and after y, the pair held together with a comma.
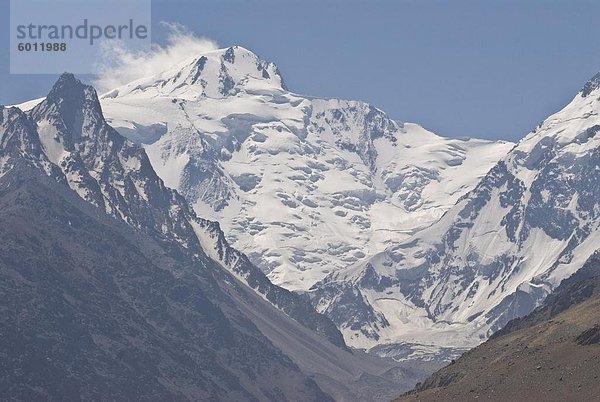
x: 66, y: 86
x: 233, y: 68
x: 69, y: 100
x: 216, y: 73
x: 65, y: 78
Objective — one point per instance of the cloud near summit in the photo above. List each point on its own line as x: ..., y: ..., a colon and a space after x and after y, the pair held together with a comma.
x: 119, y: 65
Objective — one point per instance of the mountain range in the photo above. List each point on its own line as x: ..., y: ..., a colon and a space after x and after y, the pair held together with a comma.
x: 113, y: 288
x: 531, y: 222
x: 266, y: 239
x: 306, y: 187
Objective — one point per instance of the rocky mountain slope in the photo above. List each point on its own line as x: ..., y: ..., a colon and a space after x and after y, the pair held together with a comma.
x: 116, y: 176
x: 94, y: 310
x: 113, y: 287
x: 553, y: 354
x: 528, y: 224
x: 304, y: 186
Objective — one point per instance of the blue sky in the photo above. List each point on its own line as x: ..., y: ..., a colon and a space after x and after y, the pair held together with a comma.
x: 488, y: 69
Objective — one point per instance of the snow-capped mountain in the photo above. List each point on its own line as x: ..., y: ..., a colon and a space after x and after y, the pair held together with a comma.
x: 530, y: 222
x: 114, y: 283
x: 72, y: 142
x: 304, y: 186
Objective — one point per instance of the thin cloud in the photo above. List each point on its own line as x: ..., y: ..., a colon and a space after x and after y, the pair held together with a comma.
x: 120, y: 65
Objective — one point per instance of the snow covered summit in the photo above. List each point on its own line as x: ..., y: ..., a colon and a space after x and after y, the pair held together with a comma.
x: 304, y: 186
x: 215, y: 74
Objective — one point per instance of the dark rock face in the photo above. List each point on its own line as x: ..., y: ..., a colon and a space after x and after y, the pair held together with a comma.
x: 19, y: 142
x: 352, y: 309
x: 592, y: 84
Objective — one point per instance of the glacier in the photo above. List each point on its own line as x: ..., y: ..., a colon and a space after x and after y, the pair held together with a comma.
x: 304, y: 186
